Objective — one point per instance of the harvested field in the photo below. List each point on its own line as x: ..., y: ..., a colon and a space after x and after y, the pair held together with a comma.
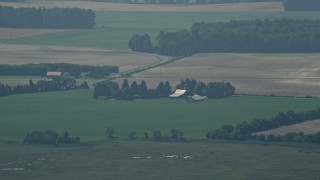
x: 265, y: 74
x: 101, y: 6
x: 13, y: 33
x: 20, y: 54
x: 309, y: 127
x: 21, y: 80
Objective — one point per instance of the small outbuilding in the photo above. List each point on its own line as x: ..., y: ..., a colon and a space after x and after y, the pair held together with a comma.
x: 195, y: 98
x: 178, y: 93
x: 52, y: 74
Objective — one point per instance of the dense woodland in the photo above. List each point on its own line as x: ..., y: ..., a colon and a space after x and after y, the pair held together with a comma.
x: 301, y: 5
x: 111, y: 89
x: 55, y: 18
x: 245, y: 36
x: 71, y: 69
x: 245, y: 130
x: 56, y: 84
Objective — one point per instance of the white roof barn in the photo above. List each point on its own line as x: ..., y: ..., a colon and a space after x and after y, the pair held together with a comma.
x: 178, y: 93
x: 53, y: 74
x: 195, y: 98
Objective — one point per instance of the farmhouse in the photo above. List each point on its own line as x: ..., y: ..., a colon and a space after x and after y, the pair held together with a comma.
x: 195, y: 98
x: 178, y: 93
x: 52, y: 74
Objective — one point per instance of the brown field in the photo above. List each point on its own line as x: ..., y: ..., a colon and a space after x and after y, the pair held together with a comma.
x: 265, y: 74
x: 309, y: 127
x: 21, y: 54
x: 101, y: 6
x: 12, y: 33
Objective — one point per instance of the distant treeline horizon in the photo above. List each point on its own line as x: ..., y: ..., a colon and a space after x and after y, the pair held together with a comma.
x: 54, y: 18
x: 243, y: 36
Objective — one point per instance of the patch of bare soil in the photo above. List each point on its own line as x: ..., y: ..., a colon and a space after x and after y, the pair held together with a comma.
x: 309, y: 127
x: 12, y: 33
x: 102, y: 6
x: 265, y: 74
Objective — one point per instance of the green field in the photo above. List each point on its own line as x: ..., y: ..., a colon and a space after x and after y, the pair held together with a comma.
x: 81, y: 115
x: 115, y: 160
x: 120, y: 26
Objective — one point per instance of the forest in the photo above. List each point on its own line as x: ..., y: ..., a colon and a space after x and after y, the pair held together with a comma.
x: 71, y: 69
x: 301, y: 5
x: 54, y: 18
x: 244, y: 36
x: 112, y: 90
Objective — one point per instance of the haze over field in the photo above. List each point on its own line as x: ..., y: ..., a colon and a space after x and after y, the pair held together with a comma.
x: 102, y: 6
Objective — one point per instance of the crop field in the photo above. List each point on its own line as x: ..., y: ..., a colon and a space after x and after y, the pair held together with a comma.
x: 79, y: 114
x: 280, y: 74
x: 120, y: 26
x: 159, y: 160
x: 102, y: 6
x: 13, y: 33
x: 309, y: 127
x: 21, y: 54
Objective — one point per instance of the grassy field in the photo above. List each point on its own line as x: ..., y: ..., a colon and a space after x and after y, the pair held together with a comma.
x: 81, y: 115
x: 120, y: 26
x: 151, y: 160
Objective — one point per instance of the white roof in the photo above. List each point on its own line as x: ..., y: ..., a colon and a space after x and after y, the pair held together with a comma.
x: 178, y: 93
x: 51, y: 73
x: 197, y: 97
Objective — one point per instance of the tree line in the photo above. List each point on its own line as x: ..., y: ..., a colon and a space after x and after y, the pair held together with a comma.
x: 301, y: 5
x: 54, y: 18
x: 50, y: 137
x: 72, y: 69
x: 174, y: 135
x: 12, y: 0
x: 112, y: 90
x: 184, y: 1
x: 243, y: 36
x: 245, y: 130
x: 56, y: 84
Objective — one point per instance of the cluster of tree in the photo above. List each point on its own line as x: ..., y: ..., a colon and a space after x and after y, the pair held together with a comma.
x: 244, y: 130
x: 12, y: 0
x: 111, y: 89
x: 244, y: 36
x: 50, y: 137
x: 175, y: 135
x: 141, y: 43
x: 55, y: 18
x: 298, y: 137
x: 56, y: 84
x: 301, y: 5
x: 211, y: 90
x: 71, y: 69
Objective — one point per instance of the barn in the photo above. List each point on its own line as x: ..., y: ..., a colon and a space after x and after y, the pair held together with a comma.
x: 195, y: 98
x: 178, y: 93
x: 52, y: 74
